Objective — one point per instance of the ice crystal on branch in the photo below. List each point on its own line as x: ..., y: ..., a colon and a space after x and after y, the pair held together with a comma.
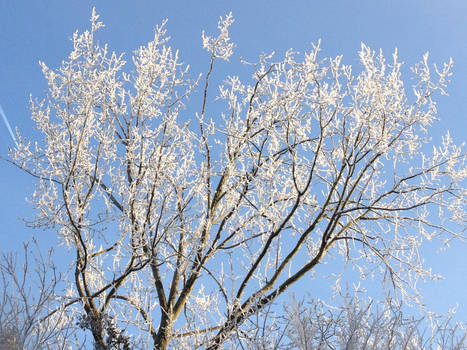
x: 220, y: 47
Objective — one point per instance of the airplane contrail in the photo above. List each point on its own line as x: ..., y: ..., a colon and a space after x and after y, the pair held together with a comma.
x: 7, y: 124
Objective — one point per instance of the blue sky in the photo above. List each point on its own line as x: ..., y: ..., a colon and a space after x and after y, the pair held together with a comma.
x: 40, y: 30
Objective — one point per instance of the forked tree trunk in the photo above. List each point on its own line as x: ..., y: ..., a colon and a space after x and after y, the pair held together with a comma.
x: 162, y: 340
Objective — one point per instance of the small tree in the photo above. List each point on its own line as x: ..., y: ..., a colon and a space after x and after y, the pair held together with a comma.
x: 354, y: 324
x: 29, y: 288
x: 184, y: 223
x: 368, y: 325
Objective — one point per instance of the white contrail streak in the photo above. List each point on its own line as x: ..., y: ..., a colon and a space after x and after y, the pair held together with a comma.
x: 7, y: 124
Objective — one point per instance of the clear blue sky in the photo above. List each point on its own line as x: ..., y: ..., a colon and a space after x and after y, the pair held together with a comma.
x: 39, y: 30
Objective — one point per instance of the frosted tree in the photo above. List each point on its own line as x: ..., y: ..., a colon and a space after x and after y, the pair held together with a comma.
x: 356, y: 323
x: 184, y: 220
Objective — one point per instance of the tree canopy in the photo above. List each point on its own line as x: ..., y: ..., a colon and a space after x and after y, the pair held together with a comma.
x: 184, y: 220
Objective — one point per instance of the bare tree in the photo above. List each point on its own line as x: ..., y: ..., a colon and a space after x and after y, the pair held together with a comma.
x: 30, y: 313
x: 356, y: 323
x: 183, y: 224
x: 369, y: 325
